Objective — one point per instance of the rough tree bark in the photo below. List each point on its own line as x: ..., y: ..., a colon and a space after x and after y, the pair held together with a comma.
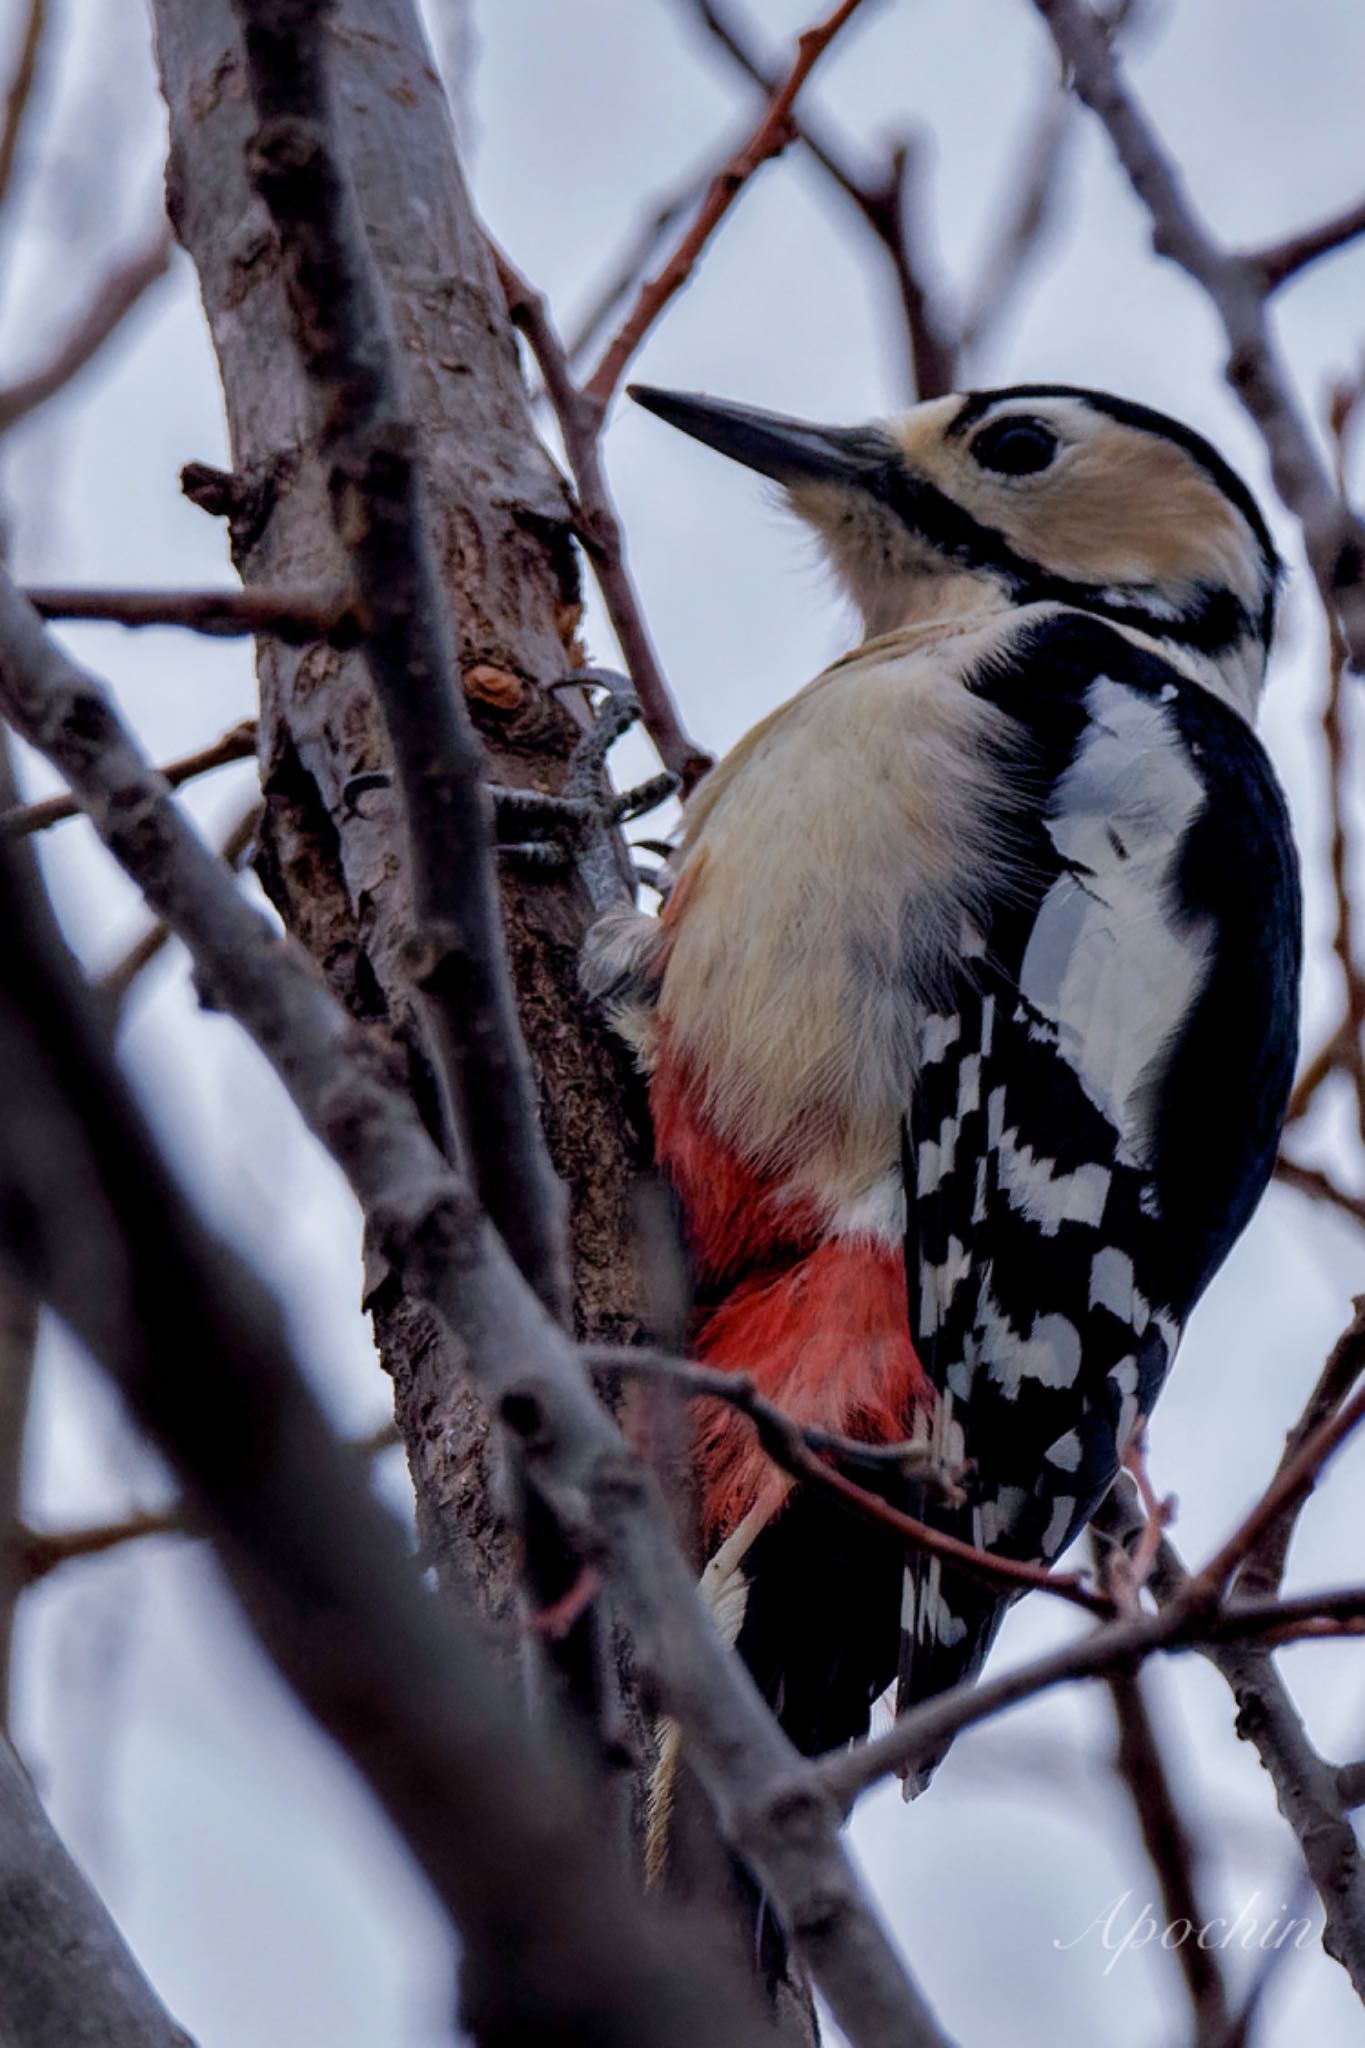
x: 503, y: 534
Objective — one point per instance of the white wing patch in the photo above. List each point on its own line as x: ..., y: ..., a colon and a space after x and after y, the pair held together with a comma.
x: 1106, y: 962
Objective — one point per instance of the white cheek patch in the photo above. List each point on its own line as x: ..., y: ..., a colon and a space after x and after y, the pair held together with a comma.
x: 1108, y: 963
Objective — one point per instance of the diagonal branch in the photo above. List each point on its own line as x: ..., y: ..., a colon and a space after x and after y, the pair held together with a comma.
x: 493, y: 1809
x: 1140, y: 1765
x: 580, y: 424
x: 1263, y: 1564
x: 1319, y: 1186
x: 116, y: 983
x: 1283, y: 260
x: 1237, y: 286
x: 803, y: 1453
x: 458, y: 957
x: 237, y: 744
x: 20, y: 91
x: 1306, y: 1788
x: 67, y: 1979
x: 433, y: 1236
x: 771, y: 136
x: 880, y: 197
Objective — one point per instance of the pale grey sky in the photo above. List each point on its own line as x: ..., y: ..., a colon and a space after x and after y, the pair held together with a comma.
x: 252, y: 1878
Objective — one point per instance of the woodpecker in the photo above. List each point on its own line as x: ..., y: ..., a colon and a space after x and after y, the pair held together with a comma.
x: 971, y: 1016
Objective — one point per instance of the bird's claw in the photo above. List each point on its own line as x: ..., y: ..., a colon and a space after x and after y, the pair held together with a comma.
x: 575, y: 826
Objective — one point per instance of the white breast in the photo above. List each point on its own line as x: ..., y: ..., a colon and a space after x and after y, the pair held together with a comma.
x: 827, y: 868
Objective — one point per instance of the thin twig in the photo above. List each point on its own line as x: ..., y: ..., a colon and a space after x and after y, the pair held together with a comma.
x: 705, y: 1383
x: 1140, y: 1765
x: 1283, y: 260
x: 237, y: 744
x: 20, y: 91
x: 1312, y: 1181
x: 108, y: 306
x: 458, y: 956
x: 1305, y: 1785
x: 881, y: 196
x: 289, y: 615
x: 1333, y: 535
x: 658, y: 217
x: 772, y: 135
x: 1319, y: 1068
x: 580, y: 424
x: 43, y: 1551
x: 802, y: 1453
x: 1299, y: 1469
x: 1263, y: 1565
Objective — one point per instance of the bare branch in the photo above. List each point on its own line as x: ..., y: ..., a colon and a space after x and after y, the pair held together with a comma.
x: 1264, y: 1561
x: 20, y: 91
x: 880, y: 197
x: 1305, y: 1786
x: 109, y: 305
x: 341, y: 330
x: 1312, y: 1181
x: 798, y: 1450
x: 41, y: 1552
x: 117, y: 982
x: 237, y: 744
x: 494, y: 1810
x: 1283, y: 260
x: 658, y: 217
x: 1312, y: 1443
x: 772, y: 135
x: 780, y: 1435
x: 425, y: 1225
x: 67, y: 1980
x: 1333, y: 535
x: 292, y: 616
x: 1140, y: 1764
x: 580, y: 424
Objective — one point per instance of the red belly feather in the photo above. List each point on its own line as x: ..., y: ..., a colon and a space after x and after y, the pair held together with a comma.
x: 821, y: 1323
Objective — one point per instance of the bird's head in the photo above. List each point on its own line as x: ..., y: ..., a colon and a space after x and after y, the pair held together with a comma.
x: 1038, y: 493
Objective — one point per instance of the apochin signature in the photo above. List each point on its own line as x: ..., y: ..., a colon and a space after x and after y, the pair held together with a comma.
x: 1121, y: 1929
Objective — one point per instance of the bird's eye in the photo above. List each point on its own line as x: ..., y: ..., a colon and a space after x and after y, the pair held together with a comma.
x: 1015, y: 447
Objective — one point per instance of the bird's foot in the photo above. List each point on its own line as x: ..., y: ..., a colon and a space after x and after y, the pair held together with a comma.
x: 578, y: 825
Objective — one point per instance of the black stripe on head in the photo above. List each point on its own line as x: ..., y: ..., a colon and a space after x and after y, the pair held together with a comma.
x: 1212, y: 621
x: 1147, y: 420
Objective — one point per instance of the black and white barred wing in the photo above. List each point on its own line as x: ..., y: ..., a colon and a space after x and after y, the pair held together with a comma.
x: 1040, y: 1291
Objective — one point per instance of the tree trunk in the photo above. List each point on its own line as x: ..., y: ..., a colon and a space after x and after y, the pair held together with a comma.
x: 502, y: 533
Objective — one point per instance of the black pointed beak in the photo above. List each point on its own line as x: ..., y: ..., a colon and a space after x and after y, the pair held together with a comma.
x: 788, y: 451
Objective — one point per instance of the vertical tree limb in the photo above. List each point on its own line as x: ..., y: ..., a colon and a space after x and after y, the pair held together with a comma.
x: 502, y: 538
